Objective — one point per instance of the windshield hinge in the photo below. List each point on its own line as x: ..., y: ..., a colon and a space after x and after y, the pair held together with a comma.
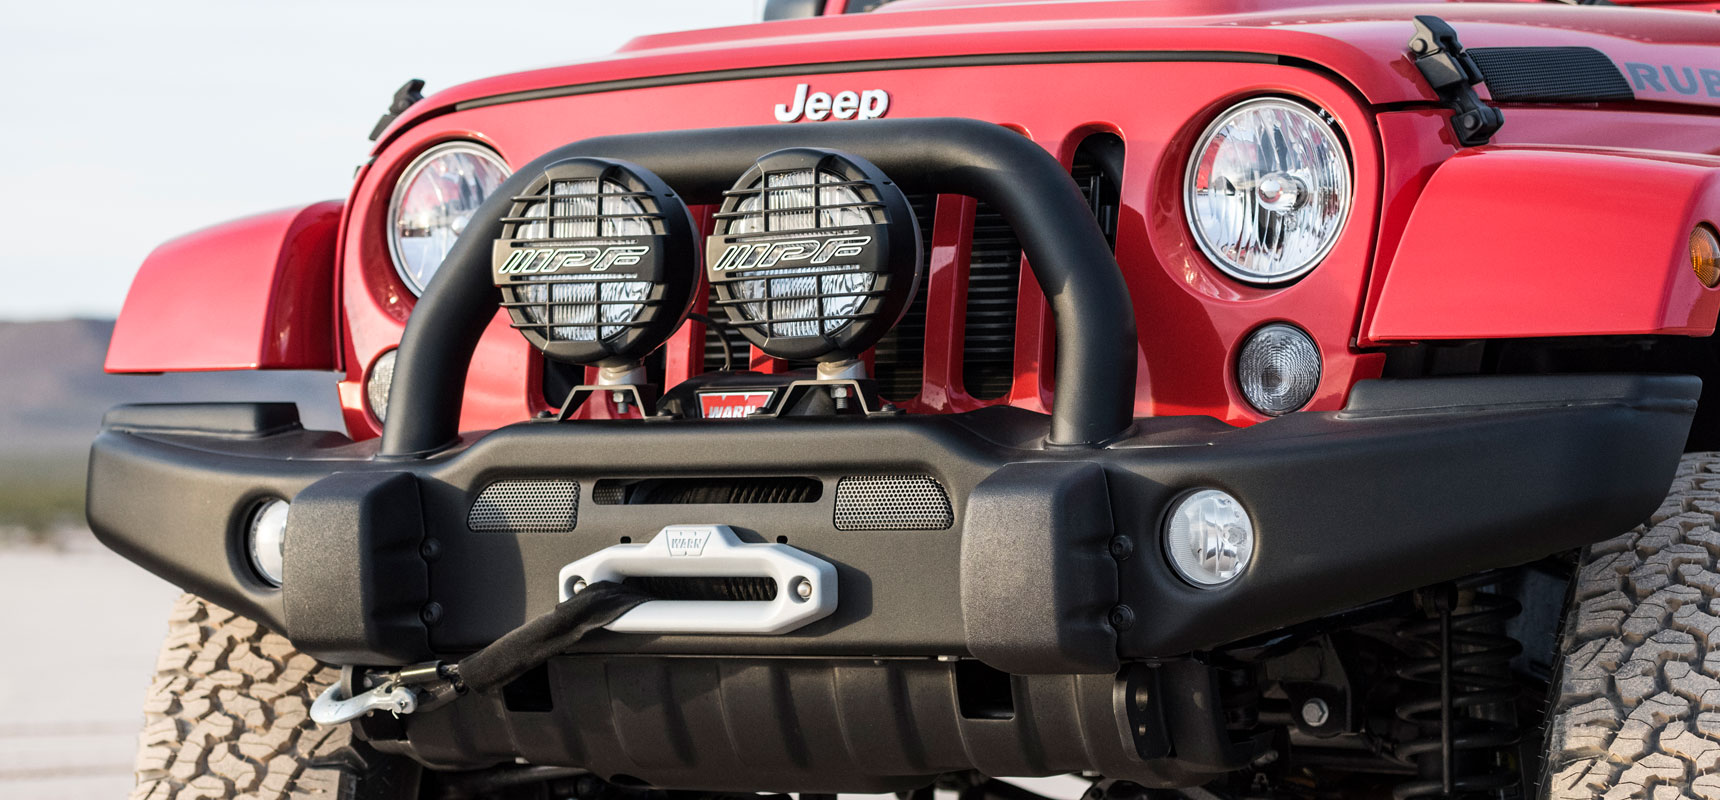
x: 1452, y: 73
x: 409, y: 93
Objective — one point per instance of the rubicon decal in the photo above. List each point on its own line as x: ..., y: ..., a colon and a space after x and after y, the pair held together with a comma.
x: 1668, y: 79
x: 537, y: 260
x: 769, y: 254
x: 815, y: 106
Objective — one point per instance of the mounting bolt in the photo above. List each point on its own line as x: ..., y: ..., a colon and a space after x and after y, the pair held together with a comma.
x: 430, y: 550
x: 579, y: 585
x: 1122, y: 618
x: 839, y: 394
x: 1315, y: 712
x: 431, y: 613
x: 803, y: 588
x: 620, y: 398
x: 1122, y: 547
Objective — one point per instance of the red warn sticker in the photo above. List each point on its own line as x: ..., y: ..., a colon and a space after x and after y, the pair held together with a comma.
x: 732, y: 405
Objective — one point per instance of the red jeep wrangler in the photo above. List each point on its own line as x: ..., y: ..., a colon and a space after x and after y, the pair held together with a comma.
x: 1209, y: 398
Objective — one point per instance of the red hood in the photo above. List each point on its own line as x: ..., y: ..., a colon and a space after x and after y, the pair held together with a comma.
x: 1365, y: 44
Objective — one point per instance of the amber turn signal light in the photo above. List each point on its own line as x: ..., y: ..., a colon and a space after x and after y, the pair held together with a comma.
x: 1705, y: 255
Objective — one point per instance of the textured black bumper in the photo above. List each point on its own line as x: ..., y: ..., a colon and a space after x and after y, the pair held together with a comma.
x: 1414, y: 483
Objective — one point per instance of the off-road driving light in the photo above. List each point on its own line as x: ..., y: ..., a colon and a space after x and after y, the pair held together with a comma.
x: 432, y: 203
x: 597, y: 262
x: 1209, y: 538
x: 1268, y: 190
x: 265, y: 539
x: 816, y: 255
x: 1278, y: 369
x: 1705, y: 255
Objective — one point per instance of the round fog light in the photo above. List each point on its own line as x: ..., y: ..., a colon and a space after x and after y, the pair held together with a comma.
x: 1209, y: 538
x: 1278, y: 369
x: 267, y: 539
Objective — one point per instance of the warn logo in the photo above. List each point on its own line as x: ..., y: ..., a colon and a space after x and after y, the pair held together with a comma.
x: 687, y: 543
x: 731, y: 405
x: 539, y: 260
x: 769, y: 254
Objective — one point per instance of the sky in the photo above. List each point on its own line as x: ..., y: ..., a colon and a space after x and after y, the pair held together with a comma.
x: 128, y: 123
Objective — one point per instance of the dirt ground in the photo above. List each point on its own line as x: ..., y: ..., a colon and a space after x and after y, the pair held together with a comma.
x: 80, y: 628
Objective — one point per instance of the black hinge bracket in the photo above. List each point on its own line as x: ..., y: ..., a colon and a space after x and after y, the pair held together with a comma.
x: 1452, y: 73
x: 410, y: 92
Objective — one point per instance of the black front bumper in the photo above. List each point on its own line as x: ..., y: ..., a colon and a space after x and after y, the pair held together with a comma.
x: 1415, y: 482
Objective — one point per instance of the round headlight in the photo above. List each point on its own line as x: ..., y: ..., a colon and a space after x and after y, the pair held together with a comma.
x: 266, y: 538
x: 597, y: 262
x: 1268, y: 190
x: 816, y: 255
x: 433, y: 202
x: 1209, y: 538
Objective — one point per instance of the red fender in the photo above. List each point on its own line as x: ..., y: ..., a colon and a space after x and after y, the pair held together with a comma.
x: 254, y: 293
x: 1516, y: 242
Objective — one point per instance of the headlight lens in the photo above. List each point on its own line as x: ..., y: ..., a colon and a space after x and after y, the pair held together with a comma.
x: 433, y: 202
x: 1268, y: 190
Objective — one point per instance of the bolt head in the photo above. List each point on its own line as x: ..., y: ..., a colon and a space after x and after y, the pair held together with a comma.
x: 1122, y: 618
x: 1315, y: 712
x: 431, y: 613
x: 804, y: 589
x: 579, y: 586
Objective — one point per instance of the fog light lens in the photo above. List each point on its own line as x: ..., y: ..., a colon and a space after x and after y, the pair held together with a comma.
x: 1705, y: 255
x: 1278, y: 369
x: 376, y: 385
x: 1209, y: 538
x: 267, y: 540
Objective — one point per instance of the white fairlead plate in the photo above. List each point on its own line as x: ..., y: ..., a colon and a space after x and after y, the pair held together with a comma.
x: 805, y: 585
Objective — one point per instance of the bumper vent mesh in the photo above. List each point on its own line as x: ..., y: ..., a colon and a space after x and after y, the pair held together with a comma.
x: 892, y: 503
x: 535, y: 505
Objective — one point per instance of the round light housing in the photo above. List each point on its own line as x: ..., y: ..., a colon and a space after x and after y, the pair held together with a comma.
x: 1209, y: 538
x: 377, y: 383
x: 1705, y: 255
x: 1278, y: 369
x: 598, y: 263
x: 816, y: 255
x: 265, y: 539
x: 1268, y: 190
x: 432, y: 203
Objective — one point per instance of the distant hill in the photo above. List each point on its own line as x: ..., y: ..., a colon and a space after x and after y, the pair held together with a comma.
x: 53, y: 391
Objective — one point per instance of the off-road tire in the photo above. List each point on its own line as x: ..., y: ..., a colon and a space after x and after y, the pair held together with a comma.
x: 1636, y: 697
x: 228, y: 715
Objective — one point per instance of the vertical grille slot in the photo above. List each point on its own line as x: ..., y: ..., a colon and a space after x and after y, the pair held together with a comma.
x: 1098, y: 171
x: 994, y: 284
x: 899, y: 358
x: 715, y: 334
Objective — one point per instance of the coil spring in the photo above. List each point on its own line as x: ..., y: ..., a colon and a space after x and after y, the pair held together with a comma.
x: 1464, y: 698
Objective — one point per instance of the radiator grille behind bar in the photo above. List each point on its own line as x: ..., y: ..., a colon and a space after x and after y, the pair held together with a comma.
x: 994, y: 284
x: 892, y: 503
x: 899, y: 358
x: 527, y: 505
